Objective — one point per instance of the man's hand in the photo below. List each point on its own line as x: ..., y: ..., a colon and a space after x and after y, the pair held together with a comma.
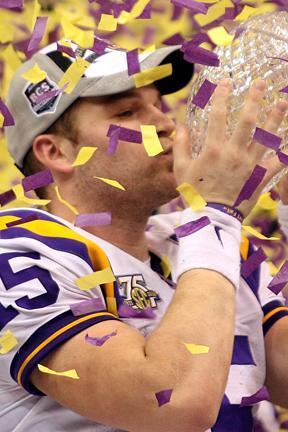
x: 282, y: 188
x: 226, y: 163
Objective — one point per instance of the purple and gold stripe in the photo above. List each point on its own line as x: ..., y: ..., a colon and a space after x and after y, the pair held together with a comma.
x: 273, y: 311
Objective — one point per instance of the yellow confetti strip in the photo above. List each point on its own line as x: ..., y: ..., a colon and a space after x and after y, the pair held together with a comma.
x: 94, y: 279
x: 257, y: 234
x: 197, y: 349
x: 110, y: 182
x: 72, y: 208
x: 69, y: 373
x: 107, y: 23
x: 84, y: 155
x: 246, y: 12
x: 151, y: 75
x: 11, y: 58
x: 36, y: 9
x: 6, y: 33
x: 151, y: 140
x: 219, y: 36
x: 7, y: 342
x: 166, y: 266
x: 214, y: 12
x: 35, y: 201
x: 1, y: 120
x: 266, y: 202
x: 18, y: 190
x: 34, y: 75
x: 191, y: 196
x: 73, y: 74
x: 84, y: 38
x: 137, y: 10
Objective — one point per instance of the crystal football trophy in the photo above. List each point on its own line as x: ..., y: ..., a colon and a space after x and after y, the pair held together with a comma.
x: 259, y: 50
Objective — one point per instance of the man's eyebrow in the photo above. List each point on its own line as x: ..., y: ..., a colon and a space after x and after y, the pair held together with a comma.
x: 119, y: 97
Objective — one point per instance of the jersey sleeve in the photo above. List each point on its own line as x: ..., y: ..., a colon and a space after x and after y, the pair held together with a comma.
x: 40, y: 261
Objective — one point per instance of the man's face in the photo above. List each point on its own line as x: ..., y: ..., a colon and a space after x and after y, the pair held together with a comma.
x: 147, y: 179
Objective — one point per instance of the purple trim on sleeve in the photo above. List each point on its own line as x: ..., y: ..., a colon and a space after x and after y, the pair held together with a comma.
x: 275, y: 317
x: 233, y: 418
x: 42, y: 334
x: 241, y: 351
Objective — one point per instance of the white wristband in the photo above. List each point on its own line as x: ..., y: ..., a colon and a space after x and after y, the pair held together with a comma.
x: 215, y: 246
x: 283, y: 218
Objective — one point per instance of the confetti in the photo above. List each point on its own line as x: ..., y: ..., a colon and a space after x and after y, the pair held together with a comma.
x: 69, y: 373
x: 18, y: 190
x: 204, y: 94
x: 251, y: 185
x: 149, y: 76
x: 214, y: 12
x: 126, y: 311
x: 35, y: 201
x: 94, y: 279
x: 246, y: 12
x: 133, y: 62
x: 107, y: 23
x: 257, y: 234
x: 113, y: 140
x: 81, y: 37
x: 166, y: 266
x: 7, y: 342
x: 113, y: 183
x: 35, y: 181
x: 11, y: 4
x: 191, y: 227
x: 197, y: 349
x: 253, y: 262
x: 164, y: 396
x: 66, y: 48
x: 267, y: 139
x: 151, y: 140
x: 191, y: 196
x: 280, y: 279
x: 99, y: 46
x: 126, y: 134
x: 259, y: 396
x: 38, y: 33
x: 219, y: 36
x: 84, y: 155
x: 99, y: 341
x: 7, y: 197
x: 93, y: 219
x: 34, y: 75
x: 73, y: 74
x: 196, y: 54
x: 88, y: 306
x: 194, y: 6
x: 2, y: 119
x: 8, y: 118
x: 64, y: 202
x: 283, y: 157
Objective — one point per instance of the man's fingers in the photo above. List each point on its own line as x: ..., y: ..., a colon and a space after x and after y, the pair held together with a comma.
x: 248, y: 116
x: 216, y: 131
x: 181, y: 146
x: 273, y: 166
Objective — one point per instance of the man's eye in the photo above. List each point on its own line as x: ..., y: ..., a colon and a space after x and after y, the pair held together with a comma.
x: 126, y: 113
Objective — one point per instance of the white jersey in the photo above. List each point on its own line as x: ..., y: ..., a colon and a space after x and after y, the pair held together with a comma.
x: 40, y: 261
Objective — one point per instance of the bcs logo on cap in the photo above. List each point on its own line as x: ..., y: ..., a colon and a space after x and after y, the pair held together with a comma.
x: 34, y: 91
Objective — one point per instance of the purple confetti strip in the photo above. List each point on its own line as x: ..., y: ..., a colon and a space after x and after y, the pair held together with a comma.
x: 11, y: 4
x: 35, y: 181
x: 202, y: 56
x: 253, y: 262
x: 204, y: 94
x: 193, y: 6
x: 267, y: 139
x: 49, y: 95
x: 176, y: 39
x: 133, y: 62
x: 38, y: 33
x: 99, y: 341
x: 99, y: 46
x: 259, y: 396
x: 67, y: 50
x: 8, y: 118
x: 93, y: 219
x: 113, y: 141
x: 164, y: 396
x: 22, y: 221
x: 284, y: 89
x: 198, y: 39
x: 146, y: 13
x: 176, y: 13
x: 282, y: 157
x: 280, y: 279
x: 164, y: 106
x: 192, y: 227
x: 126, y: 134
x: 149, y: 34
x: 251, y: 185
x: 88, y: 306
x: 126, y: 311
x: 7, y: 197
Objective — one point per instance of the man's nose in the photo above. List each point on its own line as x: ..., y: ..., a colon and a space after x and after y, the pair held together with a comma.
x: 163, y: 123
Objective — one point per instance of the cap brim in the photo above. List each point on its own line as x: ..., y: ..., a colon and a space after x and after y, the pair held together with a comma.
x: 121, y: 81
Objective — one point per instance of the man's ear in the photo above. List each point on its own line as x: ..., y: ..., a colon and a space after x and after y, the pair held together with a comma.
x: 54, y: 152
